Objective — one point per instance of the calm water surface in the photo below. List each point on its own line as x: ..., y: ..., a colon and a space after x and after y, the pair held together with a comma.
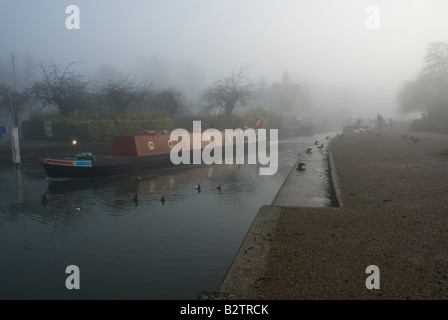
x: 149, y: 250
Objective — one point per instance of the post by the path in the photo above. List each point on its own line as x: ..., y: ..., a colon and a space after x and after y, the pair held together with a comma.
x: 15, y: 145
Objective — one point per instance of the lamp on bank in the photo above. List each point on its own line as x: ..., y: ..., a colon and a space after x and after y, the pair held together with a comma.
x: 74, y: 142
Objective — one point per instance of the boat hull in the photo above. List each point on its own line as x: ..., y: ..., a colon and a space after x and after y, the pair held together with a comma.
x: 137, y: 153
x: 110, y: 165
x: 105, y: 167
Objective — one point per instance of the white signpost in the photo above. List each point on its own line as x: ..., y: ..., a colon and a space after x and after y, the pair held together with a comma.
x: 15, y: 145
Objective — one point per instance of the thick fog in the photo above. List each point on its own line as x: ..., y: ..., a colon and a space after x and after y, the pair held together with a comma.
x: 351, y: 55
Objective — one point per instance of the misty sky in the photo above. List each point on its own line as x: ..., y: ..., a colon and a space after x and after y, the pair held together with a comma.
x: 321, y: 43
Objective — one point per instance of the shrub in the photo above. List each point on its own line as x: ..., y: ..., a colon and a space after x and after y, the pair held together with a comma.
x: 101, y: 128
x: 92, y: 130
x: 430, y: 125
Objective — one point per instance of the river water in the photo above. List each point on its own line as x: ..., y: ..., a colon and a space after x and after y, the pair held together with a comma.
x: 126, y: 250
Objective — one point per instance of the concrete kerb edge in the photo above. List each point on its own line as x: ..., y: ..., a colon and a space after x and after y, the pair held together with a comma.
x: 252, y: 253
x: 235, y: 280
x: 334, y: 179
x: 273, y: 203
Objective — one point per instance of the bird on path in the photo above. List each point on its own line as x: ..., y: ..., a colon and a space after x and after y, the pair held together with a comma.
x: 405, y: 136
x: 321, y: 146
x: 316, y: 142
x: 308, y: 150
x: 416, y: 139
x: 300, y: 166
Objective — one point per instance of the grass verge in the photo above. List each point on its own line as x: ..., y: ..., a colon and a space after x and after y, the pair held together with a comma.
x: 5, y: 145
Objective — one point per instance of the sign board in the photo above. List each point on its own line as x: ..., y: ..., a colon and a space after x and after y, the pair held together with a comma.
x: 48, y: 129
x: 3, y: 130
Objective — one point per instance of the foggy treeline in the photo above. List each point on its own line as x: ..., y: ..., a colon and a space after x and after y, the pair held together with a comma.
x: 427, y: 93
x: 312, y: 61
x: 63, y: 88
x: 44, y: 86
x: 50, y: 87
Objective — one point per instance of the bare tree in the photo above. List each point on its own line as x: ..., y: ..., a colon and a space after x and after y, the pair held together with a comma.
x: 430, y: 88
x: 436, y: 58
x: 117, y: 95
x: 170, y: 100
x: 61, y: 87
x: 14, y: 103
x: 145, y: 98
x: 228, y: 92
x: 434, y: 75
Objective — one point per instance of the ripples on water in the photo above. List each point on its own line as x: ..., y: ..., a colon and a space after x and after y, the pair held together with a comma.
x: 128, y: 250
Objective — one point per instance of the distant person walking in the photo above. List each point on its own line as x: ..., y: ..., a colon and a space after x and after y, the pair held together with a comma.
x: 379, y: 121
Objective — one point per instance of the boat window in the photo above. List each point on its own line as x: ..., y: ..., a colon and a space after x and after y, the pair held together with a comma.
x: 151, y: 145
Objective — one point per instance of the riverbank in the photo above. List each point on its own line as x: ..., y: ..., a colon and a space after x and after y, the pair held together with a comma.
x: 392, y: 192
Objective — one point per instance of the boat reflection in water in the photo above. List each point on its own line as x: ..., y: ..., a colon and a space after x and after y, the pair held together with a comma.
x: 170, y: 182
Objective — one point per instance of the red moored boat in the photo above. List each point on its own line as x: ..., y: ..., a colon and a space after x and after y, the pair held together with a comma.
x: 129, y: 154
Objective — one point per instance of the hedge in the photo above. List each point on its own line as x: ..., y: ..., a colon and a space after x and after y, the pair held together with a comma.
x: 430, y: 125
x: 66, y: 129
x: 92, y: 130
